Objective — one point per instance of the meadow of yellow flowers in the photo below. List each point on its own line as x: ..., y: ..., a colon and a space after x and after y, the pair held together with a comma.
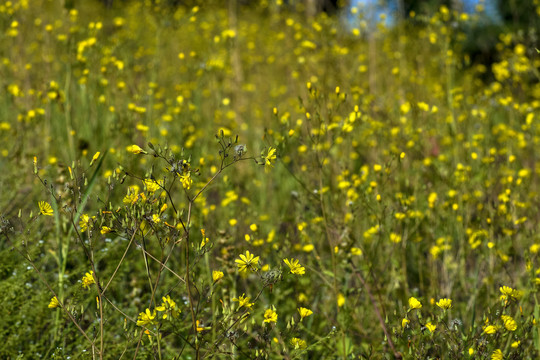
x: 246, y: 182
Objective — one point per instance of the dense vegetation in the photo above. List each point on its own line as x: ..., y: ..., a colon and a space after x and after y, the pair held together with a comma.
x: 249, y: 182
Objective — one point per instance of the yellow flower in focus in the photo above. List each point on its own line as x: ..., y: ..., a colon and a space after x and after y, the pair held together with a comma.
x: 270, y: 316
x: 414, y: 303
x: 88, y: 279
x: 54, y: 303
x: 217, y: 275
x: 444, y: 304
x: 247, y: 261
x: 304, y: 312
x: 146, y: 318
x: 295, y: 267
x: 45, y: 208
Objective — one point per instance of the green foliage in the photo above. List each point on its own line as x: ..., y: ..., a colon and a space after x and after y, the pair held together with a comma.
x: 220, y: 183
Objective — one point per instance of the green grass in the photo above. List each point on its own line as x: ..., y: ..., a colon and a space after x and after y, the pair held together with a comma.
x: 403, y: 171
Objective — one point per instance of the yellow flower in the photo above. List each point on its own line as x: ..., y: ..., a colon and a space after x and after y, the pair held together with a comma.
x: 509, y: 323
x: 471, y: 351
x: 509, y: 294
x: 243, y: 301
x: 169, y: 307
x: 84, y: 222
x: 105, y: 230
x: 94, y: 158
x: 395, y: 238
x: 152, y: 185
x: 131, y: 198
x: 405, y: 322
x: 88, y: 279
x: 431, y: 327
x: 199, y: 328
x: 444, y: 304
x: 295, y: 267
x: 516, y: 344
x: 304, y: 312
x: 414, y: 303
x: 269, y: 158
x: 217, y: 275
x: 186, y: 180
x: 497, y: 355
x: 298, y: 343
x: 270, y: 316
x: 146, y: 318
x: 45, y: 208
x: 135, y: 149
x: 247, y: 261
x: 340, y: 300
x: 490, y: 329
x: 54, y: 303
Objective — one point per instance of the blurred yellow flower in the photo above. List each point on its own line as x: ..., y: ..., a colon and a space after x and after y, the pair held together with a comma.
x: 297, y: 343
x: 88, y: 279
x: 217, y: 275
x: 135, y: 149
x: 269, y: 158
x: 497, y: 355
x: 270, y: 316
x: 509, y: 323
x: 54, y: 303
x: 304, y: 312
x: 431, y: 327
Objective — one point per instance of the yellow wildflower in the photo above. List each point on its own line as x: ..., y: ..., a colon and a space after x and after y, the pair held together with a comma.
x: 414, y: 303
x: 88, y: 279
x: 295, y: 267
x: 54, y: 303
x: 270, y: 316
x: 304, y: 312
x: 45, y: 208
x: 146, y: 318
x: 444, y: 304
